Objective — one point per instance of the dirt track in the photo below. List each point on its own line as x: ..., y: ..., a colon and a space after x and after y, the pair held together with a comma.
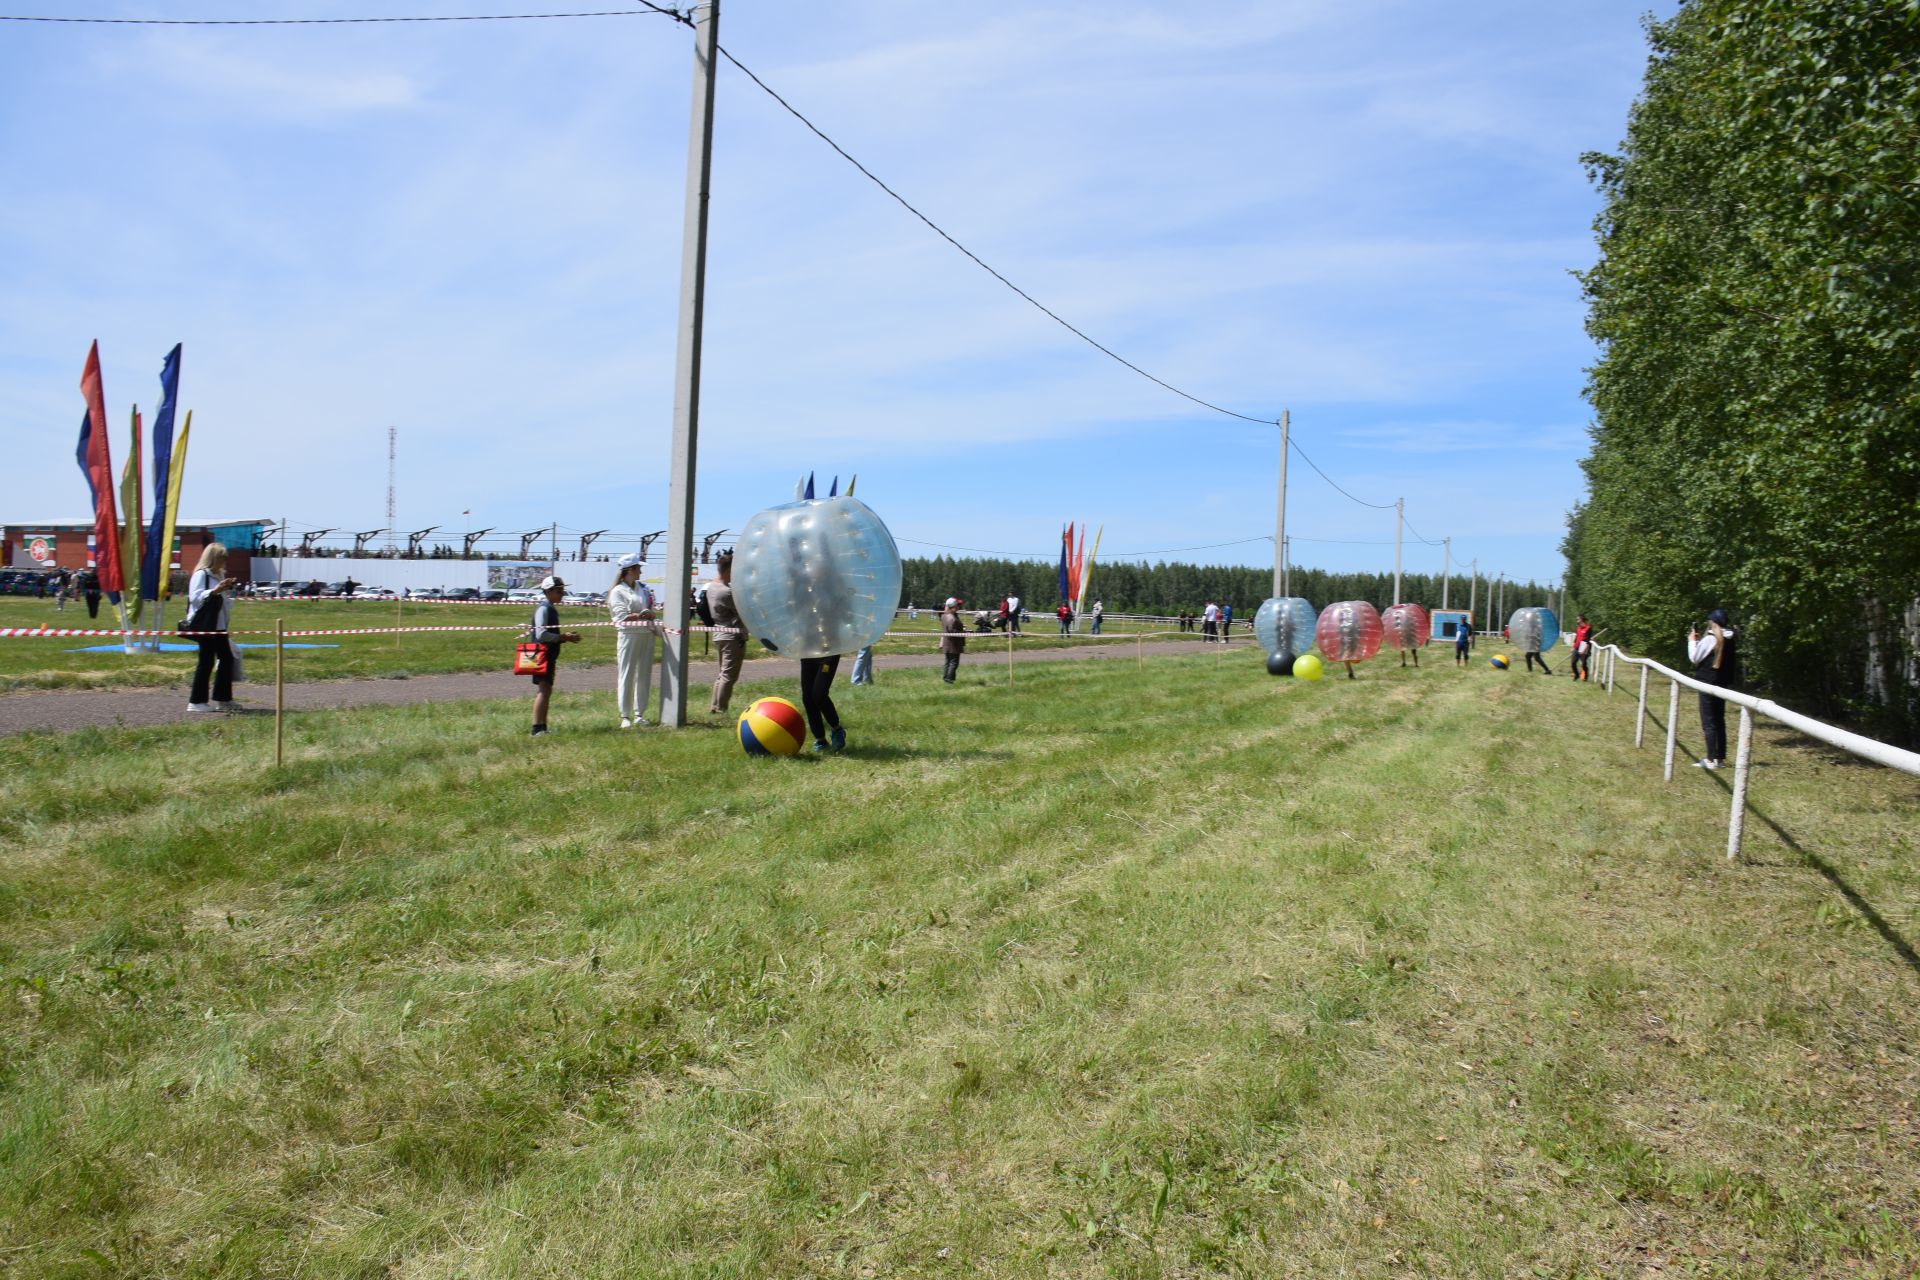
x: 62, y: 710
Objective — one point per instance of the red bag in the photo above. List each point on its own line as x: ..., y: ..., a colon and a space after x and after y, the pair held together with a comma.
x: 531, y: 660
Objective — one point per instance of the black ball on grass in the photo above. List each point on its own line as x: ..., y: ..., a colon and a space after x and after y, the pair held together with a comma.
x: 1280, y: 664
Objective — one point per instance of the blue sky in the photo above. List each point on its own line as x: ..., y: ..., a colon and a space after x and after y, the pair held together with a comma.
x: 1364, y: 212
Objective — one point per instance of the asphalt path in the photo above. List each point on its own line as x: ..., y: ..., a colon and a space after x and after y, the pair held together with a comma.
x: 67, y: 709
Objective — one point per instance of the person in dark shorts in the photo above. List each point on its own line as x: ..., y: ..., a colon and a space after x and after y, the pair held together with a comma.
x: 545, y: 630
x: 1462, y: 641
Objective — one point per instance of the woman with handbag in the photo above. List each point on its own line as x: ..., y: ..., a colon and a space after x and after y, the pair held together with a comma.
x: 207, y: 613
x: 545, y: 634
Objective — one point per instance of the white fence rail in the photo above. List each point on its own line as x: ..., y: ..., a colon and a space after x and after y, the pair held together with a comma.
x: 1853, y: 743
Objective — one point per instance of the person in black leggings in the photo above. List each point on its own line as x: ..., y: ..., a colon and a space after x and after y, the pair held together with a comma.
x: 816, y: 684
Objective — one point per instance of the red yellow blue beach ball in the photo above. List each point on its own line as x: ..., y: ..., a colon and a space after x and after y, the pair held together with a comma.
x: 772, y: 727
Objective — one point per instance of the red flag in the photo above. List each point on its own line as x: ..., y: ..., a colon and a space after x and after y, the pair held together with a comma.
x: 106, y: 521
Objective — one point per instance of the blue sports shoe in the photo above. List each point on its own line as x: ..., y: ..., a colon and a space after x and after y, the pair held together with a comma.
x: 838, y: 739
x: 819, y: 746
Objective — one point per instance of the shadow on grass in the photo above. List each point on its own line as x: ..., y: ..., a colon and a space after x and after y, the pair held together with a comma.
x: 1890, y: 935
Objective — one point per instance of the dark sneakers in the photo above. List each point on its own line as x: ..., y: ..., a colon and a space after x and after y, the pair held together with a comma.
x: 539, y: 731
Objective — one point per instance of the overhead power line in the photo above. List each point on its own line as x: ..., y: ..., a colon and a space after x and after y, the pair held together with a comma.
x: 977, y: 259
x: 332, y: 22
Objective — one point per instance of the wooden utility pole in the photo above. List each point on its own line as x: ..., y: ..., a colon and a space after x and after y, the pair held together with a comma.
x: 686, y: 372
x: 1399, y: 528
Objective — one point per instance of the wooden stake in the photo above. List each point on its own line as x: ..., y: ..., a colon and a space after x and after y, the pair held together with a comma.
x: 279, y: 691
x: 1009, y: 656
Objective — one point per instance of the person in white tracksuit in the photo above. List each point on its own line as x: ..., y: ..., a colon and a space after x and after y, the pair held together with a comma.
x: 630, y: 601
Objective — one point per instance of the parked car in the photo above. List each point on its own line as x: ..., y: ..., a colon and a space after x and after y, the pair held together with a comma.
x: 523, y: 595
x: 426, y: 593
x: 462, y: 593
x: 493, y: 595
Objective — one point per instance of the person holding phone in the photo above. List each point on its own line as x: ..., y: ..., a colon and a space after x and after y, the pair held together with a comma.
x: 208, y: 611
x: 1716, y: 661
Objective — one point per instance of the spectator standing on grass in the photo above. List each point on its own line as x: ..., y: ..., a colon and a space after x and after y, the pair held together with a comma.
x: 90, y: 587
x: 1582, y: 646
x: 729, y: 646
x: 1210, y: 622
x: 1716, y: 661
x: 1013, y: 614
x: 953, y: 640
x: 630, y: 604
x: 1462, y: 642
x: 1065, y: 613
x: 208, y: 611
x: 1099, y: 612
x: 60, y: 590
x: 545, y: 630
x: 1226, y: 621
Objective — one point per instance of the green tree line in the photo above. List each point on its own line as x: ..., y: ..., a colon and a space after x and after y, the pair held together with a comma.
x: 1756, y: 443
x: 1168, y: 587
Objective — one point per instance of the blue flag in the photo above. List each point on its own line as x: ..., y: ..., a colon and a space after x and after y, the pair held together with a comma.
x: 156, y: 559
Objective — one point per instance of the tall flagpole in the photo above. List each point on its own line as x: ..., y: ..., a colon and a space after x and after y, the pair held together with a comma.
x: 1446, y: 571
x: 686, y: 372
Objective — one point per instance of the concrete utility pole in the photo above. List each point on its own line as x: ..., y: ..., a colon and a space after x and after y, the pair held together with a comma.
x: 1446, y: 570
x: 1286, y: 562
x: 1473, y: 589
x: 1280, y: 517
x: 1399, y: 527
x: 686, y: 371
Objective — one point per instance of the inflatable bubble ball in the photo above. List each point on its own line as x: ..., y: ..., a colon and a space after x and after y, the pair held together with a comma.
x: 1534, y: 630
x: 816, y: 577
x: 1284, y: 624
x: 1307, y: 667
x: 1405, y: 626
x: 1349, y: 631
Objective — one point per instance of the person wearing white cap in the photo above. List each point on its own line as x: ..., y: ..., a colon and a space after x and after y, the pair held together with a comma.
x: 630, y: 604
x: 953, y: 639
x: 545, y: 630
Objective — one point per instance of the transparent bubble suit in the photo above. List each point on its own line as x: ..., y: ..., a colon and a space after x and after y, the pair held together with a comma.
x: 1406, y: 626
x: 1284, y: 624
x: 1348, y: 631
x: 1533, y: 630
x: 817, y: 577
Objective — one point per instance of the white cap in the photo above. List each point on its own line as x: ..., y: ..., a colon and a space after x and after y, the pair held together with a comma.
x: 629, y: 560
x: 952, y: 601
x: 549, y: 582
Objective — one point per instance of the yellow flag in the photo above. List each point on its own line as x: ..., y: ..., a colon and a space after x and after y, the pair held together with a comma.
x: 178, y: 469
x: 130, y: 528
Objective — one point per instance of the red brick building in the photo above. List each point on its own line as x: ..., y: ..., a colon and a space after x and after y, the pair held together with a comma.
x: 68, y: 544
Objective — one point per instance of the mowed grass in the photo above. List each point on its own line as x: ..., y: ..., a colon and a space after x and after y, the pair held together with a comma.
x: 53, y: 663
x: 1177, y: 973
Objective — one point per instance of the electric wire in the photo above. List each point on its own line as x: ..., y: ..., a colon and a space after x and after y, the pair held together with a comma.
x: 332, y: 22
x: 976, y: 258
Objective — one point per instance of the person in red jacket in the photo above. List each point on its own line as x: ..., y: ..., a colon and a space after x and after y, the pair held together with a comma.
x: 1582, y: 647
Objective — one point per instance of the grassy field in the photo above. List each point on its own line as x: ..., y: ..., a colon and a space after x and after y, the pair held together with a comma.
x: 1185, y: 973
x: 53, y: 664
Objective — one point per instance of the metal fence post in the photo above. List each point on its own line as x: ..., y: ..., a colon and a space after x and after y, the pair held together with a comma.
x: 1673, y: 722
x: 1640, y: 712
x: 1737, y: 821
